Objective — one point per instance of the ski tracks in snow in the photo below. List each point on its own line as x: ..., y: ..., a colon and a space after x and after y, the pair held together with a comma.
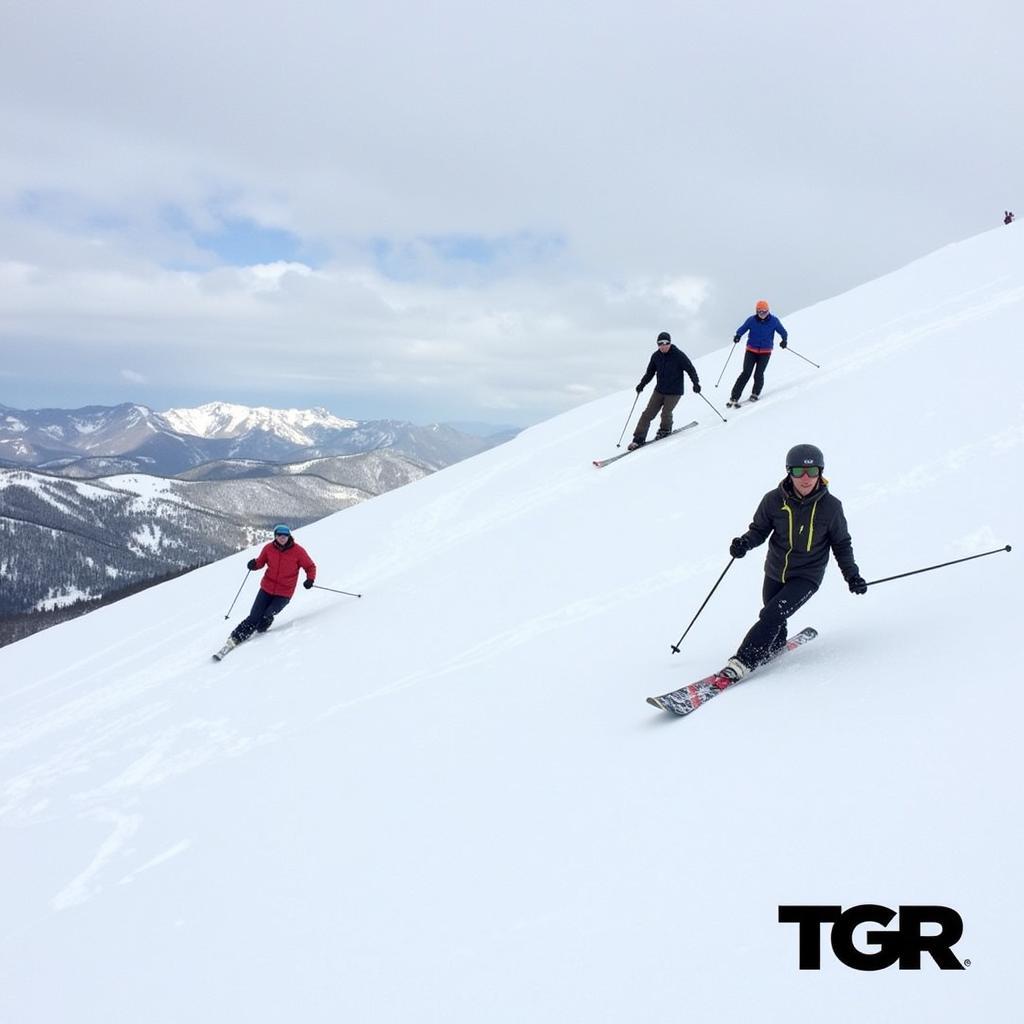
x: 95, y: 736
x: 530, y: 630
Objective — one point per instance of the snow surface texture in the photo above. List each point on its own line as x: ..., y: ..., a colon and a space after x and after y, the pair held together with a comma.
x: 449, y: 801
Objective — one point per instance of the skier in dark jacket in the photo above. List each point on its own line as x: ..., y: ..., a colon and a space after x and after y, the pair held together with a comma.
x: 760, y: 329
x: 283, y: 558
x: 802, y: 522
x: 669, y: 364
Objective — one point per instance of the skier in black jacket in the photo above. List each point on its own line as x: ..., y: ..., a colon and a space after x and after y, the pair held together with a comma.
x: 669, y: 363
x: 802, y: 522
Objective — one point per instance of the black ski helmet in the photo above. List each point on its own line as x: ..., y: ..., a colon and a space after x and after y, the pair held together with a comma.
x: 805, y: 455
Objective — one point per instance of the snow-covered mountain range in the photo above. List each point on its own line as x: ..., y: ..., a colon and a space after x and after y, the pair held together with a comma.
x: 448, y: 800
x: 100, y: 441
x: 303, y: 427
x: 30, y: 437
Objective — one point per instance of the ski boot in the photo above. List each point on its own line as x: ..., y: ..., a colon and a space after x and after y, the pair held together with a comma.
x: 734, y: 670
x: 227, y: 648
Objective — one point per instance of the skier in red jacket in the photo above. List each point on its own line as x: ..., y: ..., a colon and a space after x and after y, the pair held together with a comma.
x: 283, y: 558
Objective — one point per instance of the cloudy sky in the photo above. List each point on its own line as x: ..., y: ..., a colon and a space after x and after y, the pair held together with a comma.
x: 466, y: 210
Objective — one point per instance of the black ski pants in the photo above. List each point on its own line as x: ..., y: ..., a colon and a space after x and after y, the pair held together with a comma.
x: 769, y: 633
x: 261, y: 617
x: 753, y: 362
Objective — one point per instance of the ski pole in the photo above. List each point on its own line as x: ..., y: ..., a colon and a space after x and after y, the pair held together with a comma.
x: 717, y: 413
x: 994, y: 551
x: 804, y: 358
x: 618, y: 444
x: 675, y: 647
x: 247, y: 571
x: 727, y: 358
x: 316, y: 586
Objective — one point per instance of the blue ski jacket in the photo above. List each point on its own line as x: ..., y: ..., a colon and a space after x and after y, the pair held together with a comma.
x: 762, y: 332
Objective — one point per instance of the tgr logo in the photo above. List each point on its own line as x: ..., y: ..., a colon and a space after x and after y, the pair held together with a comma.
x: 904, y: 944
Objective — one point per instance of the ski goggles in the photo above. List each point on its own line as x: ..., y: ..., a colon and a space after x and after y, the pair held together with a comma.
x: 804, y: 470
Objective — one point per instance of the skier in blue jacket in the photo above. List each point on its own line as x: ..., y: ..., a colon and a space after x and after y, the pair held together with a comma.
x: 760, y: 329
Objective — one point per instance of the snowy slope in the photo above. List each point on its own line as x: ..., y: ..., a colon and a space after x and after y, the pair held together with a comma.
x: 448, y: 801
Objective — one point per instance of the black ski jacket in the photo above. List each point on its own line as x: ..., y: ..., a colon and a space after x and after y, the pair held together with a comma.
x: 802, y: 531
x: 670, y: 367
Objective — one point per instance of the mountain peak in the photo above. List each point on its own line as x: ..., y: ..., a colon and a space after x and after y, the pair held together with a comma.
x: 226, y: 419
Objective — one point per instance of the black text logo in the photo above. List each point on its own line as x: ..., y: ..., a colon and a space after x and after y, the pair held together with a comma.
x: 905, y: 943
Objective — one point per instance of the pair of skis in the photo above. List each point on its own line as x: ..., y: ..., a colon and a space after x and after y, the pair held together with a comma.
x: 689, y: 698
x: 615, y: 458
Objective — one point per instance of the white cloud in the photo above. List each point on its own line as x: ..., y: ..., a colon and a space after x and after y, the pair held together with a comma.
x: 133, y: 377
x: 533, y: 346
x: 688, y: 293
x: 264, y: 277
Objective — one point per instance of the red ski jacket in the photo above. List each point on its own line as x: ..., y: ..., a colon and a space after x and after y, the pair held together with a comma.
x: 283, y: 566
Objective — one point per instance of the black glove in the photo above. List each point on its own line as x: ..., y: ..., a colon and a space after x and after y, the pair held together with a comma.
x: 737, y: 338
x: 696, y: 389
x: 858, y: 585
x: 308, y: 584
x: 739, y: 547
x: 251, y: 565
x: 783, y: 343
x: 639, y: 388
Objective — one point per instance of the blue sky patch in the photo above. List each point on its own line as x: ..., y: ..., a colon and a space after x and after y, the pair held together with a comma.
x: 240, y: 242
x: 67, y: 211
x: 442, y: 257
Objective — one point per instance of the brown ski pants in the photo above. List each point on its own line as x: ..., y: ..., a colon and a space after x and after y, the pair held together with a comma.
x: 659, y: 402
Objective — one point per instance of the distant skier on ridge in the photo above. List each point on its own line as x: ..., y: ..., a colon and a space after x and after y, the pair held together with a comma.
x: 283, y: 558
x: 669, y: 364
x: 802, y: 522
x: 762, y: 328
